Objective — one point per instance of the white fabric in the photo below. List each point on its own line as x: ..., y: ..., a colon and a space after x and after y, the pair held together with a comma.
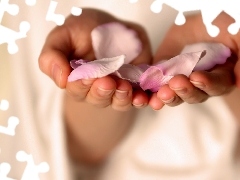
x: 185, y: 142
x: 35, y: 100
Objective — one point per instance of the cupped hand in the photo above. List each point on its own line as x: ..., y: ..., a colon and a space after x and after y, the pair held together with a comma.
x: 73, y: 41
x: 200, y: 85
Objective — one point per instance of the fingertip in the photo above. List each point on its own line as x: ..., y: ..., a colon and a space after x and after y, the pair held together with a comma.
x: 168, y: 96
x: 122, y: 98
x: 200, y: 79
x: 178, y: 82
x: 55, y: 65
x: 198, y: 75
x: 165, y: 94
x: 101, y: 92
x: 60, y: 74
x: 140, y: 98
x: 216, y: 82
x: 155, y: 103
x: 123, y: 85
x: 106, y: 82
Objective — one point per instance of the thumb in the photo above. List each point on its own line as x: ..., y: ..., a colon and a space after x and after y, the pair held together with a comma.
x: 53, y: 58
x: 54, y: 64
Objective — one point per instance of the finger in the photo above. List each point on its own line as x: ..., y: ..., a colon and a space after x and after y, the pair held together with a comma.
x: 54, y: 64
x: 79, y: 89
x: 63, y: 43
x: 155, y: 102
x: 122, y: 98
x: 185, y: 90
x: 140, y: 98
x: 168, y: 96
x: 101, y: 92
x: 217, y: 82
x: 53, y: 58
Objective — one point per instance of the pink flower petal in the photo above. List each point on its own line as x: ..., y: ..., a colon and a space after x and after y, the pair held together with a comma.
x: 181, y: 64
x: 129, y: 72
x: 114, y: 39
x: 76, y: 63
x: 156, y: 76
x: 153, y: 79
x: 217, y: 53
x: 96, y: 69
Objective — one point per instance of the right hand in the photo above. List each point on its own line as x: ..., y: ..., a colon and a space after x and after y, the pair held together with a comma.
x: 200, y: 85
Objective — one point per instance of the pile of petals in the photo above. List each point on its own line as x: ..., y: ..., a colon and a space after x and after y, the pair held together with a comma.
x: 115, y: 46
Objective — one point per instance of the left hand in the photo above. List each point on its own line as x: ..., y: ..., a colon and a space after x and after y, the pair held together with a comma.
x: 75, y: 43
x: 200, y: 85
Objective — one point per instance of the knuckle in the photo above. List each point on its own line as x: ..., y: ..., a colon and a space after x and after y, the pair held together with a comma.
x: 193, y: 96
x: 97, y: 101
x: 122, y: 108
x: 100, y: 104
x: 122, y: 104
x: 216, y: 91
x: 194, y: 99
x: 219, y: 85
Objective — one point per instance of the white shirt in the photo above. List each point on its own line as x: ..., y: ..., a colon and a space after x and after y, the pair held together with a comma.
x: 184, y: 142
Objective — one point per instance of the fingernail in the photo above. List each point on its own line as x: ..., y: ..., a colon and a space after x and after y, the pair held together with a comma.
x: 198, y: 84
x: 156, y: 110
x: 139, y: 105
x: 168, y: 101
x: 87, y: 82
x: 104, y: 92
x: 56, y: 74
x: 121, y: 94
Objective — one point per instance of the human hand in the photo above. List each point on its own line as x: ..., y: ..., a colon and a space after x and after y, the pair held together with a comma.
x: 73, y: 41
x: 200, y: 85
x: 237, y: 72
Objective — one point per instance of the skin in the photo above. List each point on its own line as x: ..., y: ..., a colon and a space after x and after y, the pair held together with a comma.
x: 201, y: 84
x: 93, y: 109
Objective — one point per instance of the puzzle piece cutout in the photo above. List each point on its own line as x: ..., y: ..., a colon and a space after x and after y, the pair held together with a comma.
x: 31, y: 171
x: 231, y: 7
x: 209, y: 10
x: 51, y: 16
x: 4, y: 105
x: 4, y: 170
x: 30, y: 2
x: 12, y: 9
x: 10, y: 129
x: 76, y: 11
x: 133, y: 1
x: 8, y: 35
x: 59, y: 19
